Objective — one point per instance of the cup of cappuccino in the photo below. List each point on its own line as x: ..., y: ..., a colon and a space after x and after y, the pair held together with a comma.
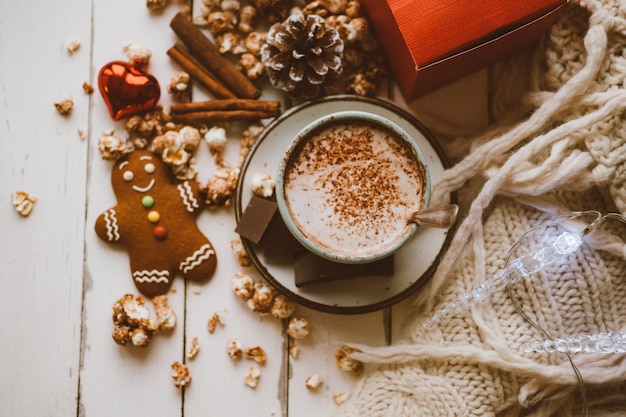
x: 348, y: 185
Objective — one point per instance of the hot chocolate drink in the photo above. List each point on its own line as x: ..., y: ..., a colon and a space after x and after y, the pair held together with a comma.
x: 351, y: 187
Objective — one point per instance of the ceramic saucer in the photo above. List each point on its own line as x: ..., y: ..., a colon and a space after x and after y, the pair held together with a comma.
x: 414, y: 263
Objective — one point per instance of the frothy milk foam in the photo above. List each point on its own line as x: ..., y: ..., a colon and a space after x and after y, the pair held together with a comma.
x: 352, y: 187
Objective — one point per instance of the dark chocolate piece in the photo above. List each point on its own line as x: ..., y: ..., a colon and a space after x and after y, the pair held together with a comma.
x: 310, y: 268
x: 278, y: 242
x: 256, y: 218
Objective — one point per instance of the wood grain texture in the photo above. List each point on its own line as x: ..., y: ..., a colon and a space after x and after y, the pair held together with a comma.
x: 42, y: 254
x: 57, y: 356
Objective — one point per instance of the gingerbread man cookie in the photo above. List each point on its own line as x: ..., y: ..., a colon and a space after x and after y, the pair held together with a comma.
x: 155, y: 219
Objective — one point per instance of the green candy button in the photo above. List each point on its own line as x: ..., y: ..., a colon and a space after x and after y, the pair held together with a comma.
x: 147, y: 201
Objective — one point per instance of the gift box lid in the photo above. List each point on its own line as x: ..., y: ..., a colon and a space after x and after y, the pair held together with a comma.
x: 453, y: 38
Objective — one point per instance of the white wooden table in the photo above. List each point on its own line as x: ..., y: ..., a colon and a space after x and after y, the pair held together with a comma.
x: 57, y: 357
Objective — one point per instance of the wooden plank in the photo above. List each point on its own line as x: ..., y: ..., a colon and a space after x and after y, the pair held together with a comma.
x: 218, y: 386
x: 119, y: 380
x: 317, y: 357
x: 43, y: 155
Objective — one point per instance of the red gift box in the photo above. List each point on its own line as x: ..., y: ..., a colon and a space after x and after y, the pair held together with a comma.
x: 430, y: 43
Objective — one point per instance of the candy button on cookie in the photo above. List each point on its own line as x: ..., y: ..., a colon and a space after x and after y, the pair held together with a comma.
x: 154, y: 216
x: 160, y: 232
x: 147, y: 201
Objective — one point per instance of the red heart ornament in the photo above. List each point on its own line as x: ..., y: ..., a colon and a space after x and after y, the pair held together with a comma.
x: 127, y: 89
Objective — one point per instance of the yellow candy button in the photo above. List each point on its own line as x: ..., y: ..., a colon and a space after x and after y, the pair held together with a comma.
x: 154, y: 216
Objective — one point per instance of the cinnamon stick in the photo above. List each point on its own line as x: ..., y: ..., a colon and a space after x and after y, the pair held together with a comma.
x: 198, y: 72
x: 207, y: 53
x: 216, y: 116
x: 272, y: 107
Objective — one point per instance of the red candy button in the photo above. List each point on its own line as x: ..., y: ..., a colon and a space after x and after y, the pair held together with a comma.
x: 160, y: 232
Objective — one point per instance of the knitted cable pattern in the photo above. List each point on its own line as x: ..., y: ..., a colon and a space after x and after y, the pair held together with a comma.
x: 568, y: 153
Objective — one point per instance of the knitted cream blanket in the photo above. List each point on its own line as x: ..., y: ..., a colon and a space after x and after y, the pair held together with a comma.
x: 567, y: 153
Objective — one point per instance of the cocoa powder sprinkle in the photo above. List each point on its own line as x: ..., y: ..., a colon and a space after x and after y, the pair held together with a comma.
x: 367, y: 179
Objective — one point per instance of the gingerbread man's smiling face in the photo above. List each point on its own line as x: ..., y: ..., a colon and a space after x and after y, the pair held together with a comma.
x: 138, y: 172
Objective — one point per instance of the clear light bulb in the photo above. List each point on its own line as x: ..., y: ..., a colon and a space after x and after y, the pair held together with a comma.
x: 517, y: 269
x: 613, y: 342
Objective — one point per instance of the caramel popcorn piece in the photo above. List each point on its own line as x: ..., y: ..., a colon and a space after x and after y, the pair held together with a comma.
x: 219, y: 22
x: 282, y: 307
x: 263, y: 184
x: 168, y: 139
x: 240, y: 252
x: 251, y: 66
x: 335, y: 6
x: 262, y: 299
x: 247, y: 18
x: 87, y: 88
x: 346, y: 363
x: 111, y: 147
x: 179, y: 86
x: 189, y: 172
x: 154, y: 5
x: 131, y: 319
x: 313, y: 382
x: 216, y: 319
x: 180, y: 374
x: 137, y: 53
x: 234, y: 349
x: 189, y: 137
x: 64, y: 107
x: 257, y: 354
x: 361, y: 85
x: 253, y: 42
x: 193, y: 349
x: 148, y: 126
x: 230, y: 6
x: 216, y: 138
x: 72, y: 46
x: 252, y: 378
x: 210, y: 5
x: 298, y: 327
x: 23, y: 203
x: 294, y: 350
x: 136, y: 337
x: 81, y: 134
x: 131, y: 310
x: 219, y: 188
x: 230, y: 42
x: 353, y: 9
x: 340, y: 398
x: 185, y: 8
x: 248, y: 137
x: 176, y: 157
x: 242, y: 285
x: 166, y: 318
x: 140, y: 337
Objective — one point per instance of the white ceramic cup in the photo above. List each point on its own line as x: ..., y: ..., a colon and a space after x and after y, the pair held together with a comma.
x: 348, y: 185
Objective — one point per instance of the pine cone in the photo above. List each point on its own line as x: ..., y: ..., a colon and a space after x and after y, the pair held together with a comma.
x: 301, y: 54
